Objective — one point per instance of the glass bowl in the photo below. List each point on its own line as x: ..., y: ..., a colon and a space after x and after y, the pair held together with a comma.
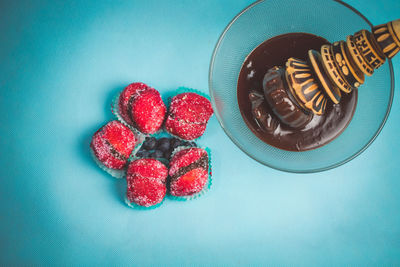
x: 333, y: 20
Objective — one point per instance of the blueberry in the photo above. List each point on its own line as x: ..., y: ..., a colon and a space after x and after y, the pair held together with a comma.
x: 172, y: 140
x: 157, y: 154
x: 142, y: 148
x: 163, y: 141
x: 167, y: 154
x: 164, y: 147
x: 143, y: 154
x: 150, y: 143
x: 163, y: 144
x: 176, y: 142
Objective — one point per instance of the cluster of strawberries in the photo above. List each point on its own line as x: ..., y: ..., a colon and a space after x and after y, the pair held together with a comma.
x: 143, y: 112
x: 143, y: 108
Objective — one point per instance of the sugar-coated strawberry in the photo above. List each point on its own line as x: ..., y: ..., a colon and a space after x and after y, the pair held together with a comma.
x: 148, y: 111
x: 188, y: 172
x: 142, y: 107
x: 146, y: 182
x: 147, y: 168
x: 184, y: 130
x: 126, y: 98
x: 191, y: 107
x: 145, y: 192
x: 189, y: 183
x: 112, y: 144
x: 188, y: 115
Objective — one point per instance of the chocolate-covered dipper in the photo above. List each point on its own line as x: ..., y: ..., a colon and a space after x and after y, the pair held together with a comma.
x: 281, y: 100
x: 267, y: 126
x: 310, y: 90
x: 342, y: 70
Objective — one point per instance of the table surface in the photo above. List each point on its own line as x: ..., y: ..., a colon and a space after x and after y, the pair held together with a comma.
x: 60, y: 66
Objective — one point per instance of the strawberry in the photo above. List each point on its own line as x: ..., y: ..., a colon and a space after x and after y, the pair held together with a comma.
x: 142, y: 107
x: 184, y: 130
x: 148, y: 111
x: 129, y: 92
x: 146, y: 182
x: 188, y: 115
x: 145, y: 192
x: 191, y: 107
x: 112, y: 144
x: 147, y: 168
x: 188, y: 172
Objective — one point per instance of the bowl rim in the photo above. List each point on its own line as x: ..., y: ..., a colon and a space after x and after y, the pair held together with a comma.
x: 332, y: 166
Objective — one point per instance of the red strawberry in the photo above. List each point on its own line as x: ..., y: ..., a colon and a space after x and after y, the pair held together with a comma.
x: 188, y: 115
x: 148, y: 111
x: 190, y: 183
x: 146, y: 182
x: 145, y: 192
x: 191, y: 107
x: 142, y: 107
x: 130, y: 91
x: 188, y: 171
x: 184, y: 130
x: 147, y: 168
x: 112, y: 144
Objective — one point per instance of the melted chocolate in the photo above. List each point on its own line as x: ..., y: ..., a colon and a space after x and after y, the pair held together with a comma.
x: 318, y: 131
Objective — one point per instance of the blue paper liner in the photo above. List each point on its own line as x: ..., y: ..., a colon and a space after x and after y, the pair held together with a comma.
x: 138, y: 207
x: 206, y: 187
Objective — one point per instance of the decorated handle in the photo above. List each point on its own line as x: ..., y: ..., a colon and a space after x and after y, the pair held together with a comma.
x: 341, y: 67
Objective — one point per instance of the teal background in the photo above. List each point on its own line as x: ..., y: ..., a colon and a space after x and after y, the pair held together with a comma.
x: 61, y: 63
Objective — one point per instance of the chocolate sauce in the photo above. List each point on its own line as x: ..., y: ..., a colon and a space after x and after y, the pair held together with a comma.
x: 320, y: 130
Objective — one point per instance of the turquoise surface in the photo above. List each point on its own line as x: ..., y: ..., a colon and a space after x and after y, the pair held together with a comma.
x: 61, y: 63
